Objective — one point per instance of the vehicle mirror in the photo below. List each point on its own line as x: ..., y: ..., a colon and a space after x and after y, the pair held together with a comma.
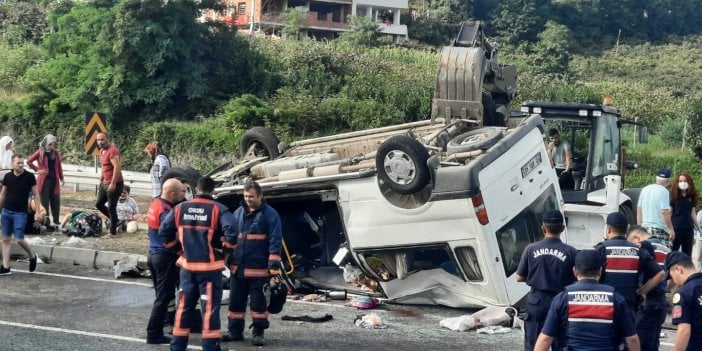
x: 643, y: 135
x: 630, y: 165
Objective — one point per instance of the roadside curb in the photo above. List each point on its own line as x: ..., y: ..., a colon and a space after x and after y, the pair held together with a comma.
x: 77, y: 256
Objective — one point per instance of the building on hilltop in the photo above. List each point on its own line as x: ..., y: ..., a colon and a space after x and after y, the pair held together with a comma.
x: 325, y: 18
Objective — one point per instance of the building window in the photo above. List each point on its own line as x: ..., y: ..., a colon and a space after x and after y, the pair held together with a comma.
x: 242, y: 8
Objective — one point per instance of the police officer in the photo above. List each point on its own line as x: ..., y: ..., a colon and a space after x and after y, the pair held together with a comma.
x: 624, y: 261
x: 652, y: 314
x: 547, y: 267
x: 161, y: 261
x: 196, y: 227
x: 592, y: 314
x: 687, y: 308
x: 254, y: 260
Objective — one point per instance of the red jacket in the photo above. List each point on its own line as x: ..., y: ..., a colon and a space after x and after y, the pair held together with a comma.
x: 44, y: 165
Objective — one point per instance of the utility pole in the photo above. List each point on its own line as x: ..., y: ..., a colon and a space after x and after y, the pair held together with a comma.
x: 253, y: 16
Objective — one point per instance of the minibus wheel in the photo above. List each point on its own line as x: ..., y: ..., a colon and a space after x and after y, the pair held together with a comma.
x: 263, y: 140
x: 477, y: 139
x: 402, y: 164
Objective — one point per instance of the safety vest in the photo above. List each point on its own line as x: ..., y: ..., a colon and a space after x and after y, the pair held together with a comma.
x: 622, y: 267
x: 660, y: 251
x: 591, y: 309
x: 157, y: 209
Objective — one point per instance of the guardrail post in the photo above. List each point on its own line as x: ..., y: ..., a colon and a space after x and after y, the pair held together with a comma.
x: 76, y: 187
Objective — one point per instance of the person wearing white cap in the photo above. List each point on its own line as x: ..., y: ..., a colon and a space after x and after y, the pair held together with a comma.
x: 653, y: 209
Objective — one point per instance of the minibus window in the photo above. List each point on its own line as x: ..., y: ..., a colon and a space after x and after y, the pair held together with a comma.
x: 523, y: 230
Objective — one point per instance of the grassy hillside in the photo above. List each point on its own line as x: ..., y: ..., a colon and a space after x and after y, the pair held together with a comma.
x: 315, y: 88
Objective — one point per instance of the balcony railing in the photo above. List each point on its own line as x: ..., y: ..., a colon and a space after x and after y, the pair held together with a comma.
x: 313, y: 19
x: 238, y: 20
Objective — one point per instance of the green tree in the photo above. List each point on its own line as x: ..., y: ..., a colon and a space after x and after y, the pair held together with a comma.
x: 23, y: 20
x: 519, y: 21
x: 552, y: 51
x: 364, y: 32
x: 437, y: 22
x: 149, y: 58
x: 294, y: 18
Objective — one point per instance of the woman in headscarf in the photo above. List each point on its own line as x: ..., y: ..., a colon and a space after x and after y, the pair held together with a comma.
x: 159, y: 166
x: 6, y: 152
x: 46, y: 161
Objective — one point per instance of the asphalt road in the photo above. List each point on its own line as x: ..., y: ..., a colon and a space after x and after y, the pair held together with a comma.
x: 78, y: 308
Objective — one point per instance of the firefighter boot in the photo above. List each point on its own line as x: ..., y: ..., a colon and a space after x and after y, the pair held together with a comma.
x: 258, y: 339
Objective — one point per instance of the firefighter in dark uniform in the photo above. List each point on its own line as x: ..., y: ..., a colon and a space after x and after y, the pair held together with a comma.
x: 254, y: 262
x: 592, y: 314
x: 687, y: 302
x: 197, y: 227
x: 162, y: 262
x: 547, y: 267
x: 652, y: 314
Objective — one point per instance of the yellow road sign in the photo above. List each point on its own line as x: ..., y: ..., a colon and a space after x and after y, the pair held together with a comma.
x: 94, y: 124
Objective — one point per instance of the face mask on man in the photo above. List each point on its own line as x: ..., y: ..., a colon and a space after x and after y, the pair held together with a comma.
x: 683, y: 186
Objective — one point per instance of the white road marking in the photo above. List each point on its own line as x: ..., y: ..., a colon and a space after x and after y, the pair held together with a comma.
x: 84, y: 278
x: 84, y: 333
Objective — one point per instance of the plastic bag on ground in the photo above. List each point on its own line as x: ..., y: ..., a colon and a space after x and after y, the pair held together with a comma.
x: 488, y: 316
x: 127, y: 266
x: 351, y: 273
x: 491, y: 315
x: 460, y: 323
x: 74, y: 241
x: 370, y: 321
x: 494, y: 330
x: 36, y: 241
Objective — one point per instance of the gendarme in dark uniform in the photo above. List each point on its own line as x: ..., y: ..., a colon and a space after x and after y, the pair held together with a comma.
x: 687, y: 303
x: 547, y: 267
x: 624, y: 261
x: 650, y: 317
x: 593, y: 315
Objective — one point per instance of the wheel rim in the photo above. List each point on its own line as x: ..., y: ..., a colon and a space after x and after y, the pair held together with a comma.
x: 260, y: 150
x: 399, y: 167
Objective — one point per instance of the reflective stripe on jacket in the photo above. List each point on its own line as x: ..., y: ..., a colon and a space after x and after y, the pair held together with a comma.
x: 198, y: 226
x: 257, y: 246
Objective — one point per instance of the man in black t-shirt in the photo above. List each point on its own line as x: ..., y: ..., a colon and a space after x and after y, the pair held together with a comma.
x: 14, y: 195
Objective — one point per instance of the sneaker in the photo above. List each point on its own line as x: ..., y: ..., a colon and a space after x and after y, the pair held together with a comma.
x: 161, y: 339
x: 232, y: 337
x: 33, y: 263
x: 258, y: 339
x: 5, y: 271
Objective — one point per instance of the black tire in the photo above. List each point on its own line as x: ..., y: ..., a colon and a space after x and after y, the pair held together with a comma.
x: 490, y: 115
x: 476, y: 139
x: 191, y: 176
x: 265, y: 139
x: 402, y: 164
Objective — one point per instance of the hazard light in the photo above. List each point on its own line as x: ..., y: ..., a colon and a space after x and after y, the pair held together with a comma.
x: 480, y: 210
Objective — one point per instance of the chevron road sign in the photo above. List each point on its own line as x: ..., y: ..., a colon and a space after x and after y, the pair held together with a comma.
x: 94, y: 124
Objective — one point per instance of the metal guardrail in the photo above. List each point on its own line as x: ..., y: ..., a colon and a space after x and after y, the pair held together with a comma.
x: 86, y: 178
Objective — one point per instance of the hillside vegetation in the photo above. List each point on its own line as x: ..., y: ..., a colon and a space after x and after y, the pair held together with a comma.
x: 197, y: 89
